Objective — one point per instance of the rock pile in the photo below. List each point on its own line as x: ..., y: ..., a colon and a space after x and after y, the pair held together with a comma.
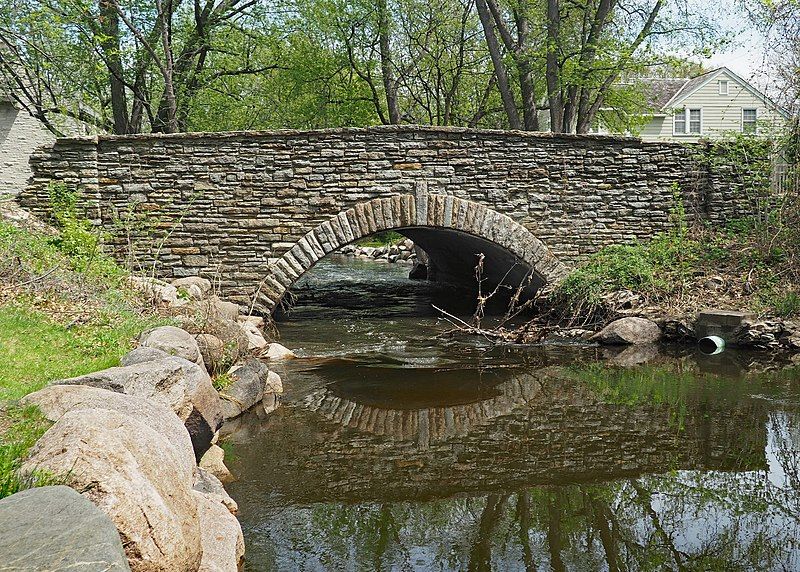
x: 139, y: 440
x: 401, y: 252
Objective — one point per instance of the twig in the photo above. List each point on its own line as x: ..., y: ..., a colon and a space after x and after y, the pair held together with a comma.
x: 40, y: 277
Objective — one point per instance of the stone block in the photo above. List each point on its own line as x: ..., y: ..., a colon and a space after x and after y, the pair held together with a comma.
x: 722, y: 323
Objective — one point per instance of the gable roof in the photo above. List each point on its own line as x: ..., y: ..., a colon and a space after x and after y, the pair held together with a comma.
x: 666, y: 93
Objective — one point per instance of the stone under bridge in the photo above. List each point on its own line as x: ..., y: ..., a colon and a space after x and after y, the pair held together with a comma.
x: 255, y: 211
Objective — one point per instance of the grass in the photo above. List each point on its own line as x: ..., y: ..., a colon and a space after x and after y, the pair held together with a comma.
x: 673, y: 271
x: 65, y: 310
x: 26, y: 426
x: 35, y: 350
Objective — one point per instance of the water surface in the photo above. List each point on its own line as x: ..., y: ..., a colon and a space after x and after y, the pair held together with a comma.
x: 397, y: 448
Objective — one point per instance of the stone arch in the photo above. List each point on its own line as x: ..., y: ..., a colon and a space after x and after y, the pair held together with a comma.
x: 409, y: 213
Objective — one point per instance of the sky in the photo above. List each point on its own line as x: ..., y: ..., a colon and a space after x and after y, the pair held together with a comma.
x: 745, y: 55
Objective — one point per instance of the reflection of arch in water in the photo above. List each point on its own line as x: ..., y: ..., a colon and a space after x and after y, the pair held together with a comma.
x: 451, y: 230
x: 424, y: 426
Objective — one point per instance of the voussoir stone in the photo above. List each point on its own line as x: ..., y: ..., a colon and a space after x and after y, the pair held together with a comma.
x: 55, y: 400
x: 133, y: 474
x: 630, y: 330
x: 173, y: 381
x: 174, y: 341
x: 55, y: 528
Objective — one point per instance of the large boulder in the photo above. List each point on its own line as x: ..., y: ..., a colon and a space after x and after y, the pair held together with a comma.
x: 210, y: 308
x: 55, y: 400
x: 222, y: 539
x: 159, y: 292
x: 213, y: 462
x: 174, y: 341
x: 194, y: 287
x: 141, y: 355
x: 256, y: 341
x: 247, y: 388
x: 630, y: 330
x: 230, y: 332
x: 272, y: 389
x: 136, y: 476
x: 213, y: 350
x: 175, y: 382
x: 208, y: 484
x: 55, y: 528
x: 277, y: 352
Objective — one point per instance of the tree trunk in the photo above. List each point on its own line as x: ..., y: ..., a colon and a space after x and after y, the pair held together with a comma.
x: 552, y: 71
x: 109, y: 25
x: 168, y: 109
x: 500, y: 73
x: 530, y: 112
x: 389, y: 84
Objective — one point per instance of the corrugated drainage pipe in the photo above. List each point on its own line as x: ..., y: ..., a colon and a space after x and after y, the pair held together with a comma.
x: 711, y: 345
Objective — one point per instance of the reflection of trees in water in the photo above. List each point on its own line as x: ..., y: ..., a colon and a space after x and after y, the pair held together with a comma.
x: 684, y: 520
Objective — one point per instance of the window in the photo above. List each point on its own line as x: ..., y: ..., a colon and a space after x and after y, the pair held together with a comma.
x: 694, y: 121
x: 723, y: 87
x: 687, y: 121
x: 749, y: 120
x: 679, y: 125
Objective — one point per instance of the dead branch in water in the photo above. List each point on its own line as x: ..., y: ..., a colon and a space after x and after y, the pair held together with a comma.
x: 530, y: 332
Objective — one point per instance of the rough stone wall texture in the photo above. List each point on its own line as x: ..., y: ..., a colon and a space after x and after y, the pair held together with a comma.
x: 20, y: 135
x: 228, y: 204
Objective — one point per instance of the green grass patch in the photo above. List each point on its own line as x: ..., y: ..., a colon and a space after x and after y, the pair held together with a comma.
x: 65, y: 310
x: 222, y: 381
x: 34, y: 350
x: 26, y: 426
x: 656, y: 269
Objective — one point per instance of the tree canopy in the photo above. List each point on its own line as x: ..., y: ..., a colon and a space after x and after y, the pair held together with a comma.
x: 129, y: 66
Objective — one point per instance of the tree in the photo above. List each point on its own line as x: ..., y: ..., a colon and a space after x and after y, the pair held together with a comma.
x: 571, y: 64
x: 121, y: 67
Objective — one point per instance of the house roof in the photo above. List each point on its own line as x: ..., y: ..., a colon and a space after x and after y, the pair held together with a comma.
x: 659, y: 91
x: 663, y: 93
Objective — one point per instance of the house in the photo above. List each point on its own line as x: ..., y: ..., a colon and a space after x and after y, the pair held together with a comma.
x: 20, y: 135
x: 707, y: 106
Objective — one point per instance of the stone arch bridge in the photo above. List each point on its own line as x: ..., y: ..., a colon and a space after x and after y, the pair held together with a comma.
x: 257, y: 210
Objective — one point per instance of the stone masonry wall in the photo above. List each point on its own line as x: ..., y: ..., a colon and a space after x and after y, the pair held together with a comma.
x: 228, y: 204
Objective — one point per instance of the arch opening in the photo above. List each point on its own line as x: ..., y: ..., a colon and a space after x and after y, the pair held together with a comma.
x: 452, y: 231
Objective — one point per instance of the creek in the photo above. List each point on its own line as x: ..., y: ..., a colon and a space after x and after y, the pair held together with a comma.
x: 397, y: 448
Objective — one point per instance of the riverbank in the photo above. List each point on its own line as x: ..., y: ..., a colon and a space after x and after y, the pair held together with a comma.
x: 749, y: 269
x: 101, y: 391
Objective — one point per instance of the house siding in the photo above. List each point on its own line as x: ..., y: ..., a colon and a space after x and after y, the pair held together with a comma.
x: 720, y: 113
x: 20, y: 135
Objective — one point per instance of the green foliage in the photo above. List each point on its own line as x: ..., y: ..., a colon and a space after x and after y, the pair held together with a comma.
x: 381, y: 239
x: 26, y: 426
x: 35, y: 350
x: 784, y: 304
x: 655, y: 269
x: 69, y: 314
x: 222, y: 381
x: 77, y: 239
